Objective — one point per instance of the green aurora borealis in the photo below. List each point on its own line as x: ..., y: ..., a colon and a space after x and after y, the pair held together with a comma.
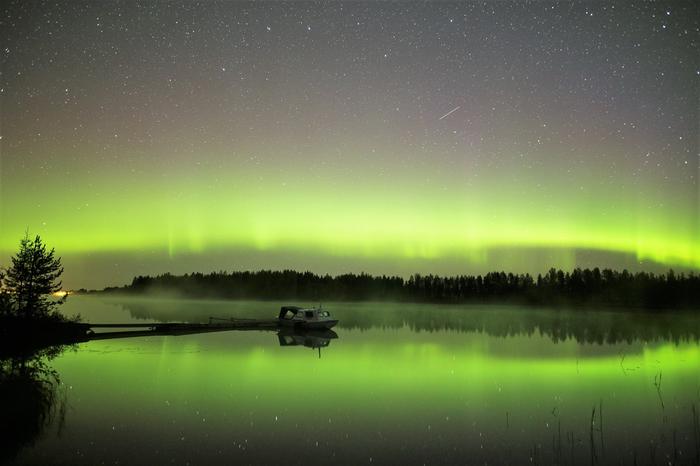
x: 376, y: 221
x: 143, y: 140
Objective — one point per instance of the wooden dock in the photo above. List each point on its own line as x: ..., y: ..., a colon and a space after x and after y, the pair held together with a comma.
x: 22, y: 333
x: 178, y: 328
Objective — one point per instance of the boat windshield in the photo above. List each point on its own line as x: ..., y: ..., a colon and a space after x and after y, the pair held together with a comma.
x: 287, y: 314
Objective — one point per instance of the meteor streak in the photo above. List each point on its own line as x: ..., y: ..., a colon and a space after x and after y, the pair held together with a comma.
x: 450, y: 112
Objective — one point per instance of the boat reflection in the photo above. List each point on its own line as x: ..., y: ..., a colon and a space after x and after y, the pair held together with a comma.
x: 314, y: 339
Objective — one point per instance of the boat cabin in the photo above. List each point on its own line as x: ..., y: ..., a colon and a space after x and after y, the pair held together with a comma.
x: 306, y: 317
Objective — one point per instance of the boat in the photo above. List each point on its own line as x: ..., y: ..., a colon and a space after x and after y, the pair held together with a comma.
x: 308, y: 318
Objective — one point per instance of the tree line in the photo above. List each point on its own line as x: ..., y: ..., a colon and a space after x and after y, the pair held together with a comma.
x: 556, y: 287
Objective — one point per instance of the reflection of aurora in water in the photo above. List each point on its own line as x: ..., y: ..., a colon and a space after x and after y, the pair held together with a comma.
x: 390, y: 394
x: 385, y: 391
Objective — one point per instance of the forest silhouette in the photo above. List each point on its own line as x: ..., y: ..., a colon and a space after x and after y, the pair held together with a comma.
x: 580, y: 287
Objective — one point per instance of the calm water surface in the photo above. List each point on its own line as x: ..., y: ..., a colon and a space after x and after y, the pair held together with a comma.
x: 402, y: 384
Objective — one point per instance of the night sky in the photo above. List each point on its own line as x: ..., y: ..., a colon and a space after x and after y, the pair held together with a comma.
x: 387, y: 137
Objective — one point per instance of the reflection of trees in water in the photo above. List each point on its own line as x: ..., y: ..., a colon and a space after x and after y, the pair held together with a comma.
x: 30, y: 399
x: 593, y: 327
x: 589, y: 327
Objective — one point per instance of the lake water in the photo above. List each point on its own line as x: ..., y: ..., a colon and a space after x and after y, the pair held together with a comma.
x: 401, y: 384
